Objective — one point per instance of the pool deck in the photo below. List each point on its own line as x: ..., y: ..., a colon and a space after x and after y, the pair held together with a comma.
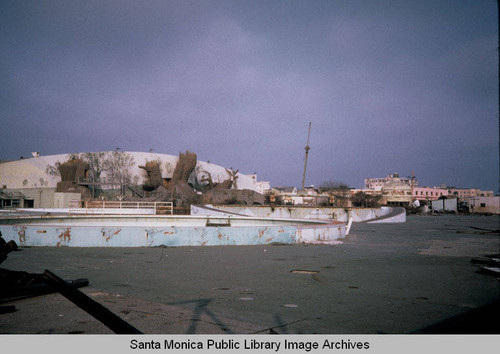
x: 413, y: 277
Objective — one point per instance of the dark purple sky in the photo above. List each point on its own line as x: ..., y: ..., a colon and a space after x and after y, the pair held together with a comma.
x: 389, y: 86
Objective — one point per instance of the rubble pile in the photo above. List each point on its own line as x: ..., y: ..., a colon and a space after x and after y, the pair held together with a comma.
x: 72, y: 171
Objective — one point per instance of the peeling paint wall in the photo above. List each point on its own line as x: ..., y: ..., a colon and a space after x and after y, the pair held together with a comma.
x: 78, y: 236
x: 151, y: 231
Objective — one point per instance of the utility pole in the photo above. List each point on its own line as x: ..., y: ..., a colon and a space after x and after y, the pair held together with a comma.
x: 307, y: 153
x: 412, y: 185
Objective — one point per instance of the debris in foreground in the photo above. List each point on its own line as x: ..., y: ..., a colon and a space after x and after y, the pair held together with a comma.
x: 93, y: 308
x: 17, y: 285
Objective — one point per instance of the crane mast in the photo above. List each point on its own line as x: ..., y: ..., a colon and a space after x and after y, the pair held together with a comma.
x: 307, y: 153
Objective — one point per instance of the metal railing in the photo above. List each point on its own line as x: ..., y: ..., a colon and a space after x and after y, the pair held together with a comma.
x: 159, y: 207
x: 106, y: 181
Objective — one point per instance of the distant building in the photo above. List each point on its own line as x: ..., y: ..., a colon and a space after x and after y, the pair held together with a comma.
x: 309, y: 196
x: 396, y: 190
x: 397, y: 193
x: 286, y: 190
x: 429, y: 193
x: 309, y: 191
x: 288, y: 194
x: 484, y: 204
x: 464, y: 193
x: 14, y: 200
x: 262, y: 186
x: 379, y: 183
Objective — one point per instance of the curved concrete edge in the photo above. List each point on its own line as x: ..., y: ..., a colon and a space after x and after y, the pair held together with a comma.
x: 327, y: 231
x: 381, y: 215
x: 395, y: 215
x: 208, y: 209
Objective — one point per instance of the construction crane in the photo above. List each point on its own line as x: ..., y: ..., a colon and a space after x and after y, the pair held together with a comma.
x: 307, y: 153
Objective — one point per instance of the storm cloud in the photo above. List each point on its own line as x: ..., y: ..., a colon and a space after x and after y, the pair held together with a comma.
x: 389, y: 86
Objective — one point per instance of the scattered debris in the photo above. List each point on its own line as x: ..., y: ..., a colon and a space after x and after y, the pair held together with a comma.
x: 71, y: 172
x: 184, y: 188
x: 16, y: 285
x: 490, y: 270
x: 491, y: 264
x: 480, y: 231
x: 272, y: 330
x: 226, y: 184
x: 332, y: 242
x: 488, y: 230
x: 7, y: 309
x: 486, y: 260
x: 6, y: 248
x: 152, y: 174
x: 302, y: 271
x: 182, y: 193
x: 93, y: 308
x: 314, y: 273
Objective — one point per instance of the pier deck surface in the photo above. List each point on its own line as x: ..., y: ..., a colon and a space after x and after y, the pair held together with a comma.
x: 383, y: 278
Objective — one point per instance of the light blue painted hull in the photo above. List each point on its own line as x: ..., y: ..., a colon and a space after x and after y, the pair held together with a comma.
x: 153, y: 231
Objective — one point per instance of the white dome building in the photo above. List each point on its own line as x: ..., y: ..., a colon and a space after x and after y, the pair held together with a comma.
x: 31, y: 182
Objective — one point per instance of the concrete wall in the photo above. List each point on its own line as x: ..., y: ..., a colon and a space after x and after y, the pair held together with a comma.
x: 42, y: 197
x: 444, y: 204
x: 80, y: 236
x: 61, y: 200
x: 149, y: 230
x: 490, y: 205
x: 386, y: 214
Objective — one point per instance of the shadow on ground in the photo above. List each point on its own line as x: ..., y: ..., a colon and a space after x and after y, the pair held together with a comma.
x: 482, y: 320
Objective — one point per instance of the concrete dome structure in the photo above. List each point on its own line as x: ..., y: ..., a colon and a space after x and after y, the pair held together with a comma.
x: 32, y: 177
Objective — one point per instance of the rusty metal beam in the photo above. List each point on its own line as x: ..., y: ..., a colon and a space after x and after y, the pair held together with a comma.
x: 99, y: 312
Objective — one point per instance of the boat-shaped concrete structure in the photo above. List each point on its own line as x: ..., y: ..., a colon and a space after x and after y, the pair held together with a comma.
x: 206, y: 226
x: 80, y: 230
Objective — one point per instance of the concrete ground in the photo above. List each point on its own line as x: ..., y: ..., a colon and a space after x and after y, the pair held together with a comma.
x: 414, y: 277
